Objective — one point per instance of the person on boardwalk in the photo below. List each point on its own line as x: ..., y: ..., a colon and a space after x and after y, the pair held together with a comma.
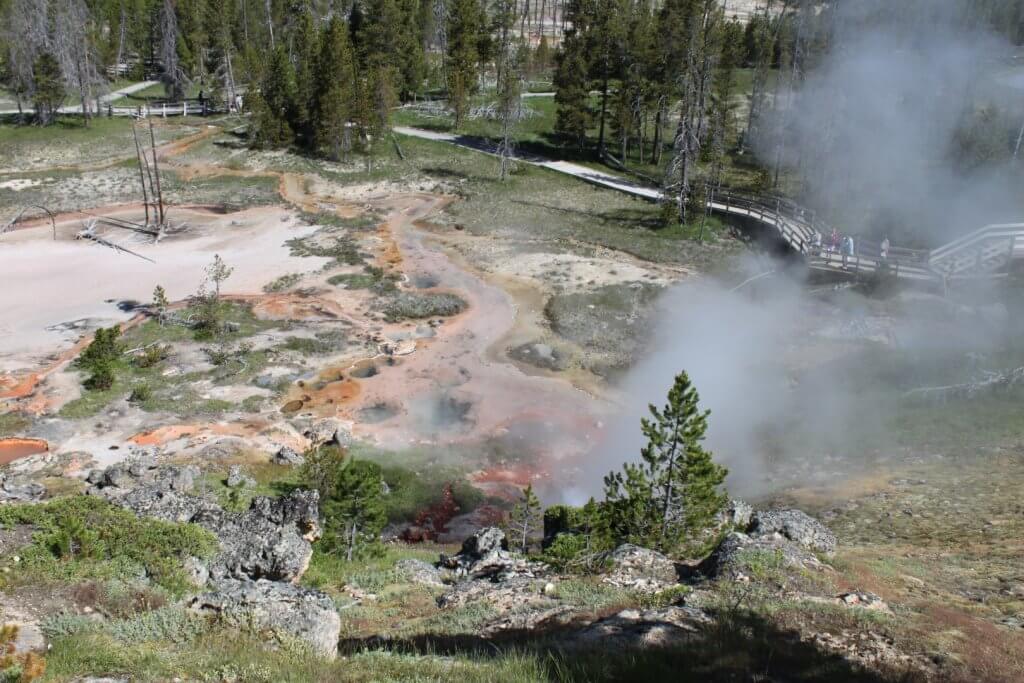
x: 883, y: 250
x: 847, y: 249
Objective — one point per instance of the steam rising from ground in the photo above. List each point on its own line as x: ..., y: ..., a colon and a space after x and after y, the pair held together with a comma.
x: 904, y: 127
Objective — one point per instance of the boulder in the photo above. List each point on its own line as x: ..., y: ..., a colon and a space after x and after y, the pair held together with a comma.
x: 29, y: 637
x: 271, y: 540
x: 239, y: 479
x: 278, y: 610
x: 288, y: 456
x: 736, y: 514
x: 794, y: 525
x: 15, y: 491
x: 418, y: 571
x: 737, y: 552
x: 484, y: 555
x: 636, y: 629
x: 637, y: 568
x: 328, y: 431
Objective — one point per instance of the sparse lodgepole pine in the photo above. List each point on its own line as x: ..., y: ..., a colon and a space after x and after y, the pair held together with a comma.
x: 671, y: 497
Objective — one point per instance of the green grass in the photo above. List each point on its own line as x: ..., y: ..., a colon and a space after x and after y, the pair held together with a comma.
x: 330, y: 573
x: 155, y: 392
x: 282, y: 283
x: 222, y: 655
x: 67, y: 131
x: 82, y: 537
x: 12, y: 423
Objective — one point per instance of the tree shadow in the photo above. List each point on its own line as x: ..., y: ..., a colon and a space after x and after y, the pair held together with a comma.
x: 637, y: 218
x: 737, y: 646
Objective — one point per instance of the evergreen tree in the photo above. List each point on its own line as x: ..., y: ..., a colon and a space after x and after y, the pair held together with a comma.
x: 49, y: 88
x: 463, y: 29
x: 160, y: 304
x: 100, y: 358
x: 354, y: 510
x: 217, y: 272
x: 509, y: 64
x: 412, y: 57
x: 335, y: 91
x: 668, y: 499
x: 273, y: 104
x: 307, y: 80
x: 572, y: 87
x: 525, y: 520
x: 605, y: 40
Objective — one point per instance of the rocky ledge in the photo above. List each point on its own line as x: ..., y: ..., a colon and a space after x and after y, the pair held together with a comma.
x: 263, y: 550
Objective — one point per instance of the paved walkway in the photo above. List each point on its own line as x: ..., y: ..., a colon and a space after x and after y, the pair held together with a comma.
x: 104, y: 99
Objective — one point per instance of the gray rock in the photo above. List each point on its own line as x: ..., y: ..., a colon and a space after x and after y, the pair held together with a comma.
x: 484, y: 555
x: 418, y: 571
x: 631, y: 566
x: 13, y: 490
x: 288, y: 456
x: 281, y: 610
x: 239, y: 479
x: 118, y: 477
x: 794, y: 525
x: 737, y: 514
x: 733, y: 557
x: 328, y: 431
x: 30, y: 637
x: 636, y: 629
x: 270, y: 540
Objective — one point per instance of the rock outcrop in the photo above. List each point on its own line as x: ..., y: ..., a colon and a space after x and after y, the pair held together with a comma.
x: 279, y: 610
x: 794, y: 525
x: 636, y: 568
x: 288, y: 456
x: 485, y: 555
x: 14, y: 491
x: 789, y: 537
x: 634, y: 629
x: 271, y: 540
x: 423, y: 573
x: 239, y: 479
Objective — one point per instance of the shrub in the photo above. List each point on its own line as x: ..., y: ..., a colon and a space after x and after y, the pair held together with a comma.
x: 85, y: 537
x: 411, y: 306
x: 141, y: 394
x: 100, y: 359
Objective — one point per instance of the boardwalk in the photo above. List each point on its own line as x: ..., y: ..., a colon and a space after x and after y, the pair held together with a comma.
x: 984, y: 254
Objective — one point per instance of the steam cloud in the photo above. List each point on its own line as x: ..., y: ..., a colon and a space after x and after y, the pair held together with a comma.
x: 872, y: 130
x: 876, y: 128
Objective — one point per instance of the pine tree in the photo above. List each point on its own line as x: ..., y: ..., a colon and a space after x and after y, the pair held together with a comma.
x: 160, y: 304
x: 273, y: 104
x: 100, y: 358
x: 509, y: 64
x: 605, y: 47
x: 525, y: 520
x: 217, y: 272
x: 307, y: 80
x: 572, y: 87
x: 672, y: 496
x: 461, y: 60
x: 354, y: 511
x: 335, y: 91
x: 49, y: 88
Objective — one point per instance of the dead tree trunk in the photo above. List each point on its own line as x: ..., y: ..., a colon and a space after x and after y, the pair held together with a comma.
x: 156, y: 172
x: 142, y: 175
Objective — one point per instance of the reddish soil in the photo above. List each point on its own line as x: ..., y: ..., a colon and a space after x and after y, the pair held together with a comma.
x: 14, y: 448
x: 160, y: 435
x: 325, y: 395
